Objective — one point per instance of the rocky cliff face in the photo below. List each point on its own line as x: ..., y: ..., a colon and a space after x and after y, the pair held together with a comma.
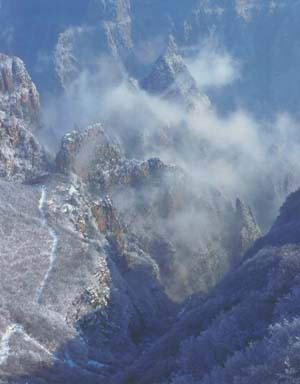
x: 153, y: 201
x: 19, y: 96
x: 21, y: 156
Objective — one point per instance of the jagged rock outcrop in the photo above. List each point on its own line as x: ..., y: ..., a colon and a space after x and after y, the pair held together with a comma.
x: 19, y: 96
x: 171, y: 79
x: 99, y: 160
x: 21, y: 155
x: 160, y: 210
x: 76, y: 145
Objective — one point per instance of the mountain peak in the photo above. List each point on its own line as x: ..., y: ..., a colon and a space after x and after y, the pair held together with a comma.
x: 171, y: 79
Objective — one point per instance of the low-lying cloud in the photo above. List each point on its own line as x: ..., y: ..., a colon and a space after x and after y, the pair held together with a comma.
x: 212, y: 67
x: 236, y: 154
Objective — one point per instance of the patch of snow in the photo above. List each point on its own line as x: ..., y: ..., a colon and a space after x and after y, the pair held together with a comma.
x: 53, y: 252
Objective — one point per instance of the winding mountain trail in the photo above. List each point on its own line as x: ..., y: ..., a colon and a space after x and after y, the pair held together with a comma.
x: 53, y: 252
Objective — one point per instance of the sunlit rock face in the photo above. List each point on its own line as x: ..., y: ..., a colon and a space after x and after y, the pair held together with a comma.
x: 98, y: 159
x: 21, y: 156
x: 19, y: 96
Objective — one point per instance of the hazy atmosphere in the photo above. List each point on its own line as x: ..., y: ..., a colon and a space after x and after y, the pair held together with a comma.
x: 149, y: 192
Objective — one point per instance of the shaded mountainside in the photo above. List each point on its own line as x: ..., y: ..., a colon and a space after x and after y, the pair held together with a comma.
x: 247, y: 330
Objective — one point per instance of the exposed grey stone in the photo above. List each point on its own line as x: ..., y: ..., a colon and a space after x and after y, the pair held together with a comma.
x: 21, y: 155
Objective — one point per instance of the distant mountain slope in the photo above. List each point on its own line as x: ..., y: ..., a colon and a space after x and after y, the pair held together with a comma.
x: 56, y: 38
